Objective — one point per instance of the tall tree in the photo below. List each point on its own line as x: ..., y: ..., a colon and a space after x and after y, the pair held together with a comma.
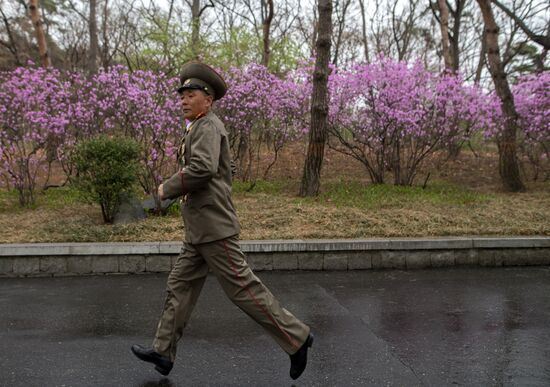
x: 94, y: 44
x: 450, y: 33
x: 444, y: 24
x: 543, y: 40
x: 39, y: 31
x: 311, y: 178
x: 454, y: 39
x: 11, y: 44
x: 341, y: 10
x: 521, y: 15
x: 364, y: 31
x: 105, y: 35
x: 267, y: 18
x: 507, y: 142
x: 196, y: 13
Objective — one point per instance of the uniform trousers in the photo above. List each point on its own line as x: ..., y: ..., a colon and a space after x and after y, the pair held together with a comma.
x: 244, y: 289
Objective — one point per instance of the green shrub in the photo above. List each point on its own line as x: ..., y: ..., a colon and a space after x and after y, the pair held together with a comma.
x: 106, y: 167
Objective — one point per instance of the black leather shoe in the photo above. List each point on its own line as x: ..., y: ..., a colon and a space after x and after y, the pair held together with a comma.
x: 298, y: 361
x: 162, y: 363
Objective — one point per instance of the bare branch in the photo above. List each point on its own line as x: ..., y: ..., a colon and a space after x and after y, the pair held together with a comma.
x: 209, y: 5
x: 543, y: 40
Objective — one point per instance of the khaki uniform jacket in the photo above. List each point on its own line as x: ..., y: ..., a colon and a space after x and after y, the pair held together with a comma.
x: 205, y: 182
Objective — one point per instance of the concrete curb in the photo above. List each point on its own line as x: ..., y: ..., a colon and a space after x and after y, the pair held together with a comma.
x: 56, y: 259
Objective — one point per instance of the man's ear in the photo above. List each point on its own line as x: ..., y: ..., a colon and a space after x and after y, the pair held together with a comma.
x: 210, y: 99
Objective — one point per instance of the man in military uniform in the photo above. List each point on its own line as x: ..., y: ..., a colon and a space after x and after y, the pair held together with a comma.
x: 211, y: 234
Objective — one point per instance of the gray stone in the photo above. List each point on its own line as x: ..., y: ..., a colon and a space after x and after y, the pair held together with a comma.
x: 331, y: 245
x: 53, y: 265
x: 85, y: 258
x: 468, y: 257
x: 33, y: 249
x: 6, y: 265
x: 514, y: 242
x: 310, y: 261
x: 261, y: 261
x: 72, y: 249
x: 390, y: 260
x: 114, y: 248
x: 285, y: 261
x: 418, y: 259
x: 158, y: 263
x: 497, y: 256
x: 272, y: 246
x: 79, y: 265
x: 431, y: 244
x: 513, y: 257
x: 335, y: 261
x: 170, y: 248
x: 40, y: 275
x: 539, y: 256
x: 487, y: 257
x: 105, y: 264
x: 66, y: 274
x: 149, y: 204
x: 26, y: 266
x: 131, y: 264
x: 361, y: 260
x: 129, y: 210
x: 442, y: 258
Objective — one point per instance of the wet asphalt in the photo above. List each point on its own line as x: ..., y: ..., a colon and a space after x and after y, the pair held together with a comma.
x: 454, y: 327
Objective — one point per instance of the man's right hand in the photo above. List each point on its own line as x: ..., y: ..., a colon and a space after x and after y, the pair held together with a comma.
x: 161, y: 192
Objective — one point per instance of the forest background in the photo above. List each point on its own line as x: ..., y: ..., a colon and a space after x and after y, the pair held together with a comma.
x: 416, y: 123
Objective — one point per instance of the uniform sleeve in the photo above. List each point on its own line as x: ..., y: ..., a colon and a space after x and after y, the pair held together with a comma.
x: 205, y: 141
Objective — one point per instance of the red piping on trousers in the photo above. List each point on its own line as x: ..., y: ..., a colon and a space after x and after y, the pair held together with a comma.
x: 264, y: 311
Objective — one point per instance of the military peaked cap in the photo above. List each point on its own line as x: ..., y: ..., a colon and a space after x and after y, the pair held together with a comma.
x: 197, y: 75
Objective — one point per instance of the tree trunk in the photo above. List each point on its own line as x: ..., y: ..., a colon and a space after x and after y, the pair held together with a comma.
x: 543, y: 40
x: 364, y: 31
x: 94, y: 45
x: 165, y: 42
x: 481, y: 61
x: 195, y: 28
x: 13, y: 46
x: 39, y: 31
x: 455, y: 38
x: 507, y: 144
x: 341, y: 20
x: 444, y: 24
x: 319, y: 104
x: 266, y: 25
x: 105, y: 36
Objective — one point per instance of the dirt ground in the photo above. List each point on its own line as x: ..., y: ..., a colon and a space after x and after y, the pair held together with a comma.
x: 348, y: 207
x: 472, y: 170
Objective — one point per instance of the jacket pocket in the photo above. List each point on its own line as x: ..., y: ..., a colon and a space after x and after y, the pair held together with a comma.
x: 200, y: 200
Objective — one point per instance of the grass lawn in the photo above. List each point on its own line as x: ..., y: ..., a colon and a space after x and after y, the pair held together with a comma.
x: 346, y: 208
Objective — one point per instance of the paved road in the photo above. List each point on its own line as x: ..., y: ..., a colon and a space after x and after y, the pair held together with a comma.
x: 469, y: 327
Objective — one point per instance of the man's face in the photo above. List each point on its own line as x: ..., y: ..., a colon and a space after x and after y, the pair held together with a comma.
x: 194, y: 102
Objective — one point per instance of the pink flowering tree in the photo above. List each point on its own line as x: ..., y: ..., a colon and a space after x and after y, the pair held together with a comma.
x: 152, y: 119
x: 34, y: 106
x: 142, y: 105
x: 532, y: 99
x: 87, y: 117
x: 391, y: 116
x: 262, y: 113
